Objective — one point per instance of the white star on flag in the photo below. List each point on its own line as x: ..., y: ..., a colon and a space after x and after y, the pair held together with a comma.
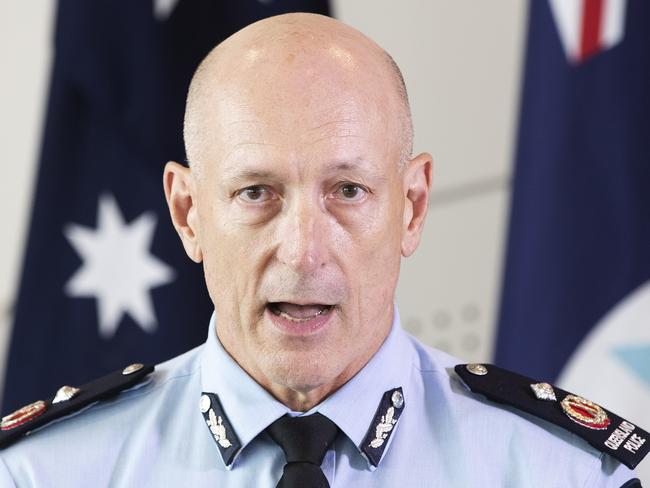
x: 118, y: 269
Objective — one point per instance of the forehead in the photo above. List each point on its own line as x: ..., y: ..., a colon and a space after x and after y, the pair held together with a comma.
x: 326, y: 101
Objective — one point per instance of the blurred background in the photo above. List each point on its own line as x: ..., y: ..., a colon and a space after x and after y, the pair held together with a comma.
x: 535, y: 253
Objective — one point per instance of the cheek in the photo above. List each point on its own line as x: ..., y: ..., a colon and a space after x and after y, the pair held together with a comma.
x: 383, y: 247
x: 225, y: 239
x: 229, y: 256
x: 370, y: 244
x: 378, y: 231
x: 240, y: 255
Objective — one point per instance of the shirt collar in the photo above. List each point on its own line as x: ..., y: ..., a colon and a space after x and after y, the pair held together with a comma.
x: 251, y: 409
x: 389, y: 368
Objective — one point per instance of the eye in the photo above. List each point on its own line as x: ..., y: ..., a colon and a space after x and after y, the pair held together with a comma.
x: 351, y: 192
x: 255, y: 194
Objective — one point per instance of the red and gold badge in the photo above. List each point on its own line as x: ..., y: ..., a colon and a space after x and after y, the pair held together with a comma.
x: 585, y: 412
x: 23, y: 415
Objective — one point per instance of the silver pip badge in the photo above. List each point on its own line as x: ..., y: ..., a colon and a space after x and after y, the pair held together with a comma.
x: 544, y: 391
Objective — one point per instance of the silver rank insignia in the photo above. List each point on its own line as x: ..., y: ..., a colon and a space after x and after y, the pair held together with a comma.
x: 220, y: 428
x: 544, y: 391
x: 65, y: 393
x: 383, y: 428
x: 477, y: 369
x: 383, y: 425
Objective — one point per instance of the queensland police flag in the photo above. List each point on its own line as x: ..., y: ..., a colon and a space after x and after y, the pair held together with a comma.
x: 105, y: 280
x: 576, y: 297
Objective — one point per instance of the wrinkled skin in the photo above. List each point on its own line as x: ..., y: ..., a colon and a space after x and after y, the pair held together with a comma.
x: 295, y: 195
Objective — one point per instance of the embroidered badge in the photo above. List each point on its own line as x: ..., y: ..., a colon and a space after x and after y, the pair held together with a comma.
x: 218, y: 430
x: 585, y: 412
x: 23, y: 415
x: 624, y: 435
x: 383, y: 428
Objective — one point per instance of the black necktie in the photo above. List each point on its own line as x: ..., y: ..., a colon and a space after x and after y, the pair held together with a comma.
x: 305, y: 441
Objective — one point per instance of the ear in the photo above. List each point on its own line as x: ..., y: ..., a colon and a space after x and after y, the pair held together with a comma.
x: 417, y: 184
x: 177, y: 180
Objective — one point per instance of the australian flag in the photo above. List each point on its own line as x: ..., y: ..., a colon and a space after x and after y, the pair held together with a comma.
x: 576, y: 298
x: 105, y: 279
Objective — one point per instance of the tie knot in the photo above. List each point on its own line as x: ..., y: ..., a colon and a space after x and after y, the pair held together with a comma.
x: 304, y: 439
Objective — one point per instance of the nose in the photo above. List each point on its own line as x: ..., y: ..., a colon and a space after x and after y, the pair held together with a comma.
x: 302, y: 235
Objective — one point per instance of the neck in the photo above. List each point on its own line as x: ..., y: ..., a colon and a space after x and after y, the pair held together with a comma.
x: 296, y: 394
x: 302, y: 399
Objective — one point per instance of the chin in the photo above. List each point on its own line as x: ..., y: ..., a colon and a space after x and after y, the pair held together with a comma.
x: 302, y: 371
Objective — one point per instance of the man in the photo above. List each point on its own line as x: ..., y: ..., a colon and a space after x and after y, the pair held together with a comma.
x: 300, y: 198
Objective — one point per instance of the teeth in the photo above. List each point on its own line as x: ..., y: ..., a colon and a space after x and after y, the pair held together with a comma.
x: 274, y: 308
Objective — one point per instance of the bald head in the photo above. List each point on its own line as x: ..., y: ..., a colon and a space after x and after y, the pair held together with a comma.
x: 294, y: 53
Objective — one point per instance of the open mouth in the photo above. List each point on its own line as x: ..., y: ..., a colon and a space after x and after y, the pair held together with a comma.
x: 299, y: 313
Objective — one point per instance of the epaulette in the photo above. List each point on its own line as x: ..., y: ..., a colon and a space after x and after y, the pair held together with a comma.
x: 67, y: 400
x: 604, y: 430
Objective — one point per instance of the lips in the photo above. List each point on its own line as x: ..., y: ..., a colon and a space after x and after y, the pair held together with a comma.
x: 297, y: 312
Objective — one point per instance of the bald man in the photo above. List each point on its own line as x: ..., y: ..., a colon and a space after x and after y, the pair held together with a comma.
x: 300, y: 199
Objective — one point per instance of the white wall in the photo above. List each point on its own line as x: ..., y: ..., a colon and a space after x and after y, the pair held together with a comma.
x: 461, y: 60
x: 25, y: 54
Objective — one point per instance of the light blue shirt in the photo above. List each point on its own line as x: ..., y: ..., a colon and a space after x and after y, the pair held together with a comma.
x: 155, y: 435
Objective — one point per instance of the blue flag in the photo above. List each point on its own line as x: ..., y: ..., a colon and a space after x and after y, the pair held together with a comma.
x: 105, y: 279
x: 576, y: 296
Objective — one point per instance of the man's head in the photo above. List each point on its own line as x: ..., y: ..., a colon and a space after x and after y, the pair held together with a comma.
x: 300, y: 198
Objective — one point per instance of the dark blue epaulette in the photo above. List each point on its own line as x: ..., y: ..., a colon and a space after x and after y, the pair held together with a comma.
x: 68, y: 400
x: 601, y: 428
